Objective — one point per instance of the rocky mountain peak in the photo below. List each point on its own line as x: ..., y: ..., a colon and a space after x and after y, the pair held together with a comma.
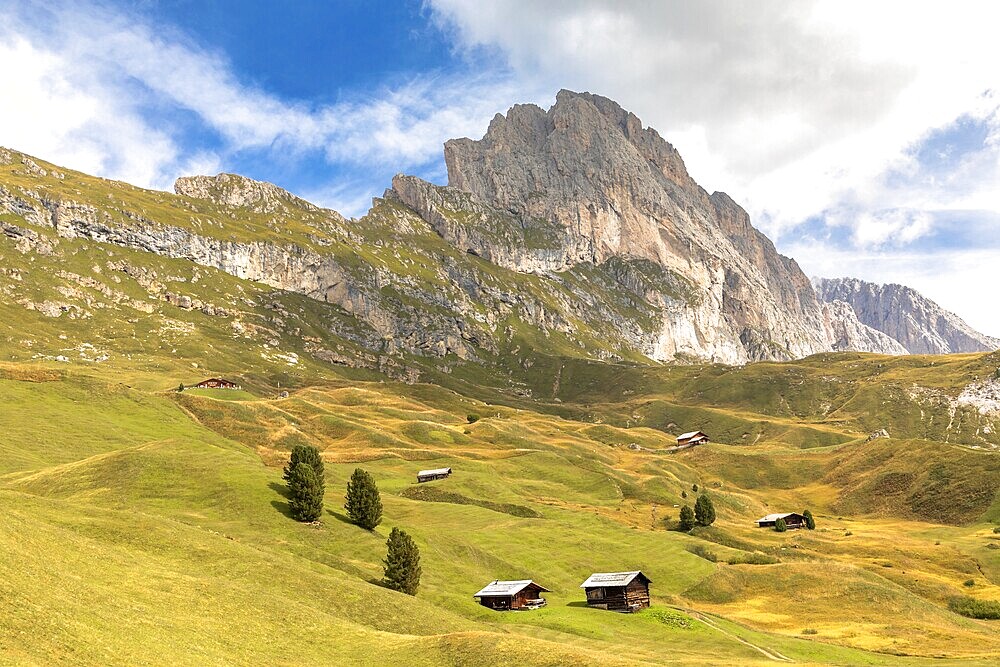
x: 240, y: 192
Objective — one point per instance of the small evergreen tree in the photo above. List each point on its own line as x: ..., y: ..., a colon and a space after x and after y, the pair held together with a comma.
x: 402, y: 563
x: 780, y: 525
x: 473, y: 418
x: 686, y: 521
x: 180, y: 387
x: 305, y: 493
x: 306, y: 454
x: 694, y: 487
x: 364, y: 505
x: 810, y: 521
x: 704, y: 511
x: 684, y: 494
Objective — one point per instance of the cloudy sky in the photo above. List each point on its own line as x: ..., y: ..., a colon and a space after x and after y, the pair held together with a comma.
x: 863, y: 137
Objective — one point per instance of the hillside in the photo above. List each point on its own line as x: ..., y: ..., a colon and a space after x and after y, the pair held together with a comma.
x: 449, y: 327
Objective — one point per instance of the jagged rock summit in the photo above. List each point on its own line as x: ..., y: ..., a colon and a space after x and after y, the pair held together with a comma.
x: 920, y: 325
x: 596, y: 186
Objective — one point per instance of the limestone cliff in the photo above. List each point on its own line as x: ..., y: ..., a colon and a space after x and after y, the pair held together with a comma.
x: 914, y: 321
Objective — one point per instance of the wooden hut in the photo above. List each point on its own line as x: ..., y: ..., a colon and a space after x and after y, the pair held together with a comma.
x: 617, y: 591
x: 216, y: 383
x: 430, y: 475
x: 512, y: 595
x: 692, y: 438
x: 792, y: 520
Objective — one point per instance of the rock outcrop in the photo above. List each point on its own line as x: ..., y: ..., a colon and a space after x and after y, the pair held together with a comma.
x: 918, y: 324
x: 846, y: 333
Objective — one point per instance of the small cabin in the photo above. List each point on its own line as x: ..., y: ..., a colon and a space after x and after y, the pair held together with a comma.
x: 431, y: 475
x: 216, y: 383
x: 520, y: 595
x: 692, y: 438
x: 792, y: 520
x: 617, y: 591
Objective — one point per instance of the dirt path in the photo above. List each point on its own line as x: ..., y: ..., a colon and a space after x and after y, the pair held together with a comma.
x: 768, y: 653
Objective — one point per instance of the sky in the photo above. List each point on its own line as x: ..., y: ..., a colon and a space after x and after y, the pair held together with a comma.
x: 863, y: 137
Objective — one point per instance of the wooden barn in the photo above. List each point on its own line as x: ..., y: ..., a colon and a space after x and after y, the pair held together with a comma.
x: 216, y: 383
x: 430, y: 475
x: 692, y: 438
x: 512, y: 595
x: 792, y: 520
x: 617, y: 591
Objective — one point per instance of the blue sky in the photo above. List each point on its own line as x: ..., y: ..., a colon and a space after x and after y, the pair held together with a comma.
x: 863, y: 140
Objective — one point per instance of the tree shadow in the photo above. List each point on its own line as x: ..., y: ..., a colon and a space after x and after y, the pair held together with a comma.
x: 282, y: 507
x: 280, y: 489
x: 577, y: 603
x: 343, y: 518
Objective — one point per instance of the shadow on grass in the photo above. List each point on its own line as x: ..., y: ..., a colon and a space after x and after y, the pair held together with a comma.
x: 577, y: 604
x: 340, y: 517
x: 282, y: 507
x: 280, y: 489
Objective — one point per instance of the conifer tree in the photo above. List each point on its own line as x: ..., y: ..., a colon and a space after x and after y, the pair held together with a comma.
x: 364, y: 505
x: 686, y: 521
x: 704, y: 511
x: 780, y: 525
x: 694, y: 487
x: 306, y: 454
x: 305, y: 493
x: 402, y: 563
x: 810, y: 521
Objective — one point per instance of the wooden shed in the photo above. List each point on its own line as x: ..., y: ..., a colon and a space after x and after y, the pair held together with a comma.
x: 430, y: 475
x: 216, y: 383
x: 792, y: 520
x: 523, y: 595
x: 692, y: 438
x: 617, y: 591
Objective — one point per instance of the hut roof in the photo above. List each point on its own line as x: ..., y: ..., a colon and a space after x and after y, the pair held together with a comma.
x: 686, y: 436
x: 775, y: 517
x: 506, y: 588
x: 612, y: 579
x: 436, y: 471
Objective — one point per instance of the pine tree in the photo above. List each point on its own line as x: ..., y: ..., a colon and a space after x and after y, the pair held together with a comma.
x: 704, y: 511
x: 305, y: 493
x: 684, y: 494
x: 402, y: 563
x: 810, y: 521
x: 364, y: 505
x: 686, y: 521
x: 306, y: 454
x: 780, y: 525
x: 694, y: 487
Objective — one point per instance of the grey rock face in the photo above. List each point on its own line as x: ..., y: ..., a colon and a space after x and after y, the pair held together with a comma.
x: 847, y: 333
x: 916, y: 322
x: 617, y: 189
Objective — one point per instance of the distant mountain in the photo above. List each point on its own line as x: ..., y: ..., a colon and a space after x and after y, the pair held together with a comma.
x: 917, y: 323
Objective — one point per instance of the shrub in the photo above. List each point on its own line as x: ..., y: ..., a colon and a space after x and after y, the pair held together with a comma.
x: 973, y: 608
x: 694, y: 487
x: 780, y: 526
x: 848, y: 533
x: 810, y: 521
x: 402, y: 563
x: 473, y: 418
x: 180, y: 387
x: 305, y: 493
x: 686, y: 521
x: 309, y: 455
x: 969, y: 583
x: 996, y: 530
x: 704, y: 511
x: 364, y: 505
x: 810, y: 631
x: 702, y: 551
x: 755, y: 558
x: 684, y: 494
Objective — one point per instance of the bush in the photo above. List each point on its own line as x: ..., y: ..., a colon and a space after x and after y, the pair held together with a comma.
x: 701, y: 551
x: 780, y: 526
x: 686, y: 521
x: 364, y: 504
x: 694, y: 487
x: 755, y: 558
x: 305, y: 493
x: 402, y: 563
x: 180, y: 387
x: 704, y: 511
x: 473, y: 418
x: 810, y: 631
x: 810, y: 521
x: 973, y: 608
x: 996, y: 530
x: 684, y: 494
x: 969, y: 583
